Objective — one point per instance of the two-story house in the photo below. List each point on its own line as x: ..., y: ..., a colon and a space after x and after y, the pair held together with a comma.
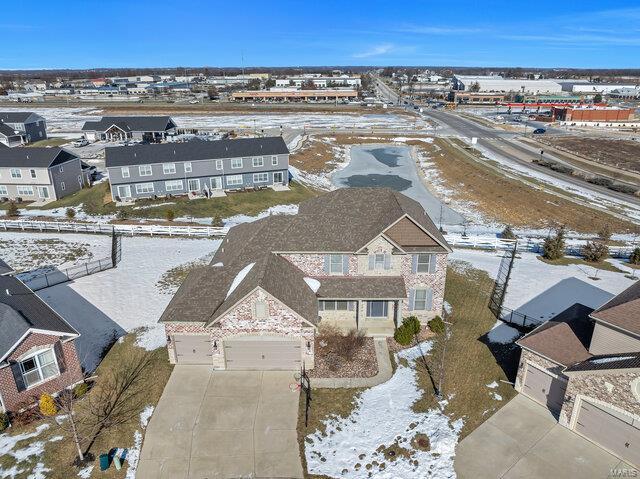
x: 39, y: 174
x: 355, y: 258
x: 37, y: 346
x: 149, y: 129
x: 20, y: 127
x: 584, y: 366
x: 196, y: 167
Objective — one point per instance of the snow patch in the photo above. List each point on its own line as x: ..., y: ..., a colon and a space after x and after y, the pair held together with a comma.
x: 313, y: 283
x: 492, y: 385
x: 238, y: 279
x: 497, y: 396
x: 86, y: 472
x: 133, y: 454
x: 610, y: 360
x: 502, y: 333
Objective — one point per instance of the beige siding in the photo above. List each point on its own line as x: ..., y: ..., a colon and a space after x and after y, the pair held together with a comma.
x: 606, y: 340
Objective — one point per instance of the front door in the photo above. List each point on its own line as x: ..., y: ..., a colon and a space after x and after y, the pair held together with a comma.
x: 124, y: 191
x: 194, y: 185
x: 278, y: 178
x: 43, y: 192
x: 216, y: 183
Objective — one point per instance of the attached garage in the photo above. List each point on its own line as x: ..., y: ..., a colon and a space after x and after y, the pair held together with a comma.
x: 265, y: 354
x: 616, y: 432
x: 192, y: 349
x: 544, y: 388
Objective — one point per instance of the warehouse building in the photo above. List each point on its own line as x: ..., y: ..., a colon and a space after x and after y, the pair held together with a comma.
x: 295, y: 95
x: 498, y: 84
x: 592, y: 114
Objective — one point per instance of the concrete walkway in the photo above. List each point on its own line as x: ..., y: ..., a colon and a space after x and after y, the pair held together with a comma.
x: 385, y: 371
x: 523, y: 440
x: 223, y: 424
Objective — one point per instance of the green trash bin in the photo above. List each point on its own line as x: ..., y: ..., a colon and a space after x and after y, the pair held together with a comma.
x: 104, y: 462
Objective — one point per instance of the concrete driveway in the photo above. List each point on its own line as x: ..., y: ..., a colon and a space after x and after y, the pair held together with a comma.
x: 523, y: 440
x: 223, y: 424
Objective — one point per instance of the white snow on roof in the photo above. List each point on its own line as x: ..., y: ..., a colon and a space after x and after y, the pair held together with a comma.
x: 502, y: 333
x: 314, y: 284
x: 218, y: 264
x: 610, y: 360
x: 238, y: 279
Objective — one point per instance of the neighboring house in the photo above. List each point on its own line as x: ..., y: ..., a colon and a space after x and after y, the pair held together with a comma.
x: 39, y: 174
x: 18, y: 128
x: 37, y: 349
x: 119, y: 128
x: 196, y: 167
x: 584, y: 366
x: 355, y: 258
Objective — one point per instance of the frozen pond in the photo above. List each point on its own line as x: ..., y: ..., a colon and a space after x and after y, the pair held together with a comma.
x: 392, y: 167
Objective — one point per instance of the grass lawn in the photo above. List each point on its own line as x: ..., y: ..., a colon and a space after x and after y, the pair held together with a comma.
x: 94, y: 201
x: 49, y: 142
x: 59, y: 455
x: 567, y: 260
x: 471, y: 361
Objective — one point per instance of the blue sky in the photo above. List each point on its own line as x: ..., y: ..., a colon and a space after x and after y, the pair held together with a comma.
x: 145, y: 33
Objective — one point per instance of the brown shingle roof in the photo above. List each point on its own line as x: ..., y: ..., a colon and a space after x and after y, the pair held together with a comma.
x: 622, y: 310
x: 362, y: 287
x: 564, y: 338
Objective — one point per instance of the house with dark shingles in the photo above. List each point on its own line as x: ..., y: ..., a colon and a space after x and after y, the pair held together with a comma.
x: 196, y: 167
x: 39, y: 174
x: 149, y: 129
x: 37, y: 346
x: 20, y: 127
x: 355, y: 258
x: 584, y: 366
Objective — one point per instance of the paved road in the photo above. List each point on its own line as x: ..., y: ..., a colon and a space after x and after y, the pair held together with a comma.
x: 523, y: 441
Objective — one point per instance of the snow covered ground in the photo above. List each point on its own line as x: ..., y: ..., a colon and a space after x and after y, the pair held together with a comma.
x: 9, y: 446
x: 541, y: 291
x: 113, y: 302
x: 382, y: 418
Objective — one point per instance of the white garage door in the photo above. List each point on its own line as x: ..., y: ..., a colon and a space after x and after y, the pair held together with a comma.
x: 263, y: 354
x: 544, y: 388
x: 614, y: 431
x: 192, y: 349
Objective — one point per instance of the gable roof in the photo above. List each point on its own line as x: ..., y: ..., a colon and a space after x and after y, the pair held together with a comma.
x: 564, y: 338
x: 34, y: 157
x: 131, y: 123
x: 194, y: 150
x: 622, y: 310
x: 4, y: 267
x: 607, y: 362
x: 15, y: 116
x: 6, y: 130
x: 21, y: 310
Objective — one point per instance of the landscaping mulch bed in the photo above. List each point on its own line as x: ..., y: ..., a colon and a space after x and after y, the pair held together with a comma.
x: 363, y: 365
x: 425, y: 333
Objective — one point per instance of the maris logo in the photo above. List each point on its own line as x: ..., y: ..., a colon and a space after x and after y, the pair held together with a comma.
x: 623, y: 473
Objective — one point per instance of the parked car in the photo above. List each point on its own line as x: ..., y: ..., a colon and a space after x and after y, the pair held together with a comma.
x: 80, y: 142
x: 539, y: 131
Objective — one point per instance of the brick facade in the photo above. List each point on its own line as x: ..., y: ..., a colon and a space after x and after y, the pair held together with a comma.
x: 14, y: 399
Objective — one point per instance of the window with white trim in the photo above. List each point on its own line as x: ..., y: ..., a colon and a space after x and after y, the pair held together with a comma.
x: 421, y: 300
x: 219, y: 164
x: 274, y: 160
x: 124, y: 171
x: 329, y: 305
x: 257, y: 161
x: 423, y: 264
x: 168, y: 168
x: 236, y: 163
x: 25, y: 190
x: 174, y: 185
x: 260, y: 177
x: 142, y: 188
x: 33, y: 173
x: 335, y: 263
x: 16, y: 173
x: 378, y: 261
x: 39, y: 367
x: 145, y: 170
x: 4, y: 190
x: 234, y: 180
x: 188, y: 167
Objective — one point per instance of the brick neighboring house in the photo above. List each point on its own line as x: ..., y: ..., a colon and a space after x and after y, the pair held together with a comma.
x: 21, y: 127
x: 584, y: 366
x: 356, y: 258
x: 37, y: 349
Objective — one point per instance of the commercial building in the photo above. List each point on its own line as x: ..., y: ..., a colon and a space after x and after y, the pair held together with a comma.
x: 197, y: 168
x: 295, y: 95
x: 320, y: 81
x: 592, y: 114
x: 602, y: 88
x: 496, y: 83
x: 20, y: 127
x: 467, y: 97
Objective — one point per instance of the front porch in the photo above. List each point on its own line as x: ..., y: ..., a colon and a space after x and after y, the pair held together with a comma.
x: 373, y: 318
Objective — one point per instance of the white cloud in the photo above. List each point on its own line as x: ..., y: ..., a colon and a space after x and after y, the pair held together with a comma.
x: 375, y: 51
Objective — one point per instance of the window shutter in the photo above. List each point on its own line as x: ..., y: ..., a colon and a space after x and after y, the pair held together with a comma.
x: 17, y: 377
x: 429, y: 305
x: 387, y: 261
x: 412, y: 295
x: 414, y: 263
x: 372, y: 261
x: 432, y: 263
x: 327, y: 259
x: 345, y: 263
x: 320, y: 305
x: 62, y: 365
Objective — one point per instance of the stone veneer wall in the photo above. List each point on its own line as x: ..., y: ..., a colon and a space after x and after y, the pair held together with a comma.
x: 607, y: 389
x: 14, y: 399
x: 240, y: 321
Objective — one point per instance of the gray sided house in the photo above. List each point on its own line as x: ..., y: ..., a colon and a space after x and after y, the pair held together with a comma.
x: 149, y: 129
x: 39, y: 174
x: 18, y: 128
x: 197, y: 167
